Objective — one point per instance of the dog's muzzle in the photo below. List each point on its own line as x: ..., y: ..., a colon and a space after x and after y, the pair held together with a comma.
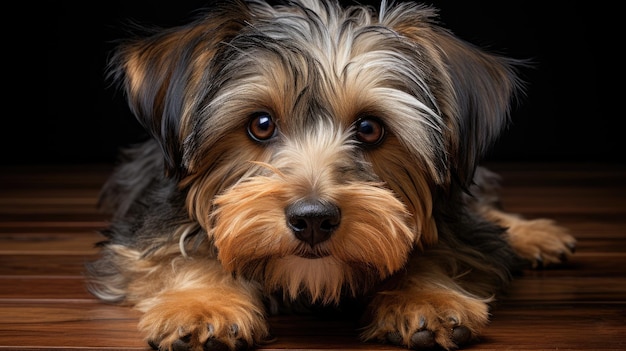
x: 313, y: 221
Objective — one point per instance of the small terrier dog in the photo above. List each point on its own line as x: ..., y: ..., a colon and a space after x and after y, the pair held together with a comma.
x: 309, y: 155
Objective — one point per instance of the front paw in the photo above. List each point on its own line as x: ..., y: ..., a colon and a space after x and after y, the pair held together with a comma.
x: 541, y: 241
x: 191, y: 320
x: 426, y: 320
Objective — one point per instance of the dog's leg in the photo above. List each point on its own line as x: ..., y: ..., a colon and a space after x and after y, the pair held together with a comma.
x: 539, y: 241
x: 426, y: 308
x: 193, y: 304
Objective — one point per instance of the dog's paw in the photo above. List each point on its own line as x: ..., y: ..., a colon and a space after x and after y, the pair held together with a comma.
x: 541, y: 241
x: 193, y: 321
x: 426, y: 320
x: 187, y: 342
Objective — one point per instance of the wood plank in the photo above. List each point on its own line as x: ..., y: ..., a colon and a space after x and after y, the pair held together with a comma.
x: 44, y: 288
x: 38, y: 265
x: 49, y: 223
x: 556, y: 327
x: 49, y: 243
x: 572, y: 201
x: 85, y: 325
x: 90, y: 325
x: 558, y: 290
x: 75, y: 226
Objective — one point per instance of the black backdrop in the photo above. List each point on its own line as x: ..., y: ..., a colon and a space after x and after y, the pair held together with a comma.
x: 565, y: 115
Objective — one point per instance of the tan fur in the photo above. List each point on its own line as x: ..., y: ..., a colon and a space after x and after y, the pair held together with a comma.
x: 426, y: 302
x: 231, y: 307
x: 185, y: 295
x: 541, y: 241
x: 406, y: 223
x: 245, y: 229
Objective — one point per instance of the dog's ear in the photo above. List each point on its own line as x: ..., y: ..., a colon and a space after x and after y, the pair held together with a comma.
x: 161, y: 74
x: 482, y: 89
x: 475, y: 88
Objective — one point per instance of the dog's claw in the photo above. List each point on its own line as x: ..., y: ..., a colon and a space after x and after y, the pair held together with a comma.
x: 213, y: 344
x: 181, y: 344
x: 422, y: 324
x: 178, y: 345
x: 394, y: 338
x: 423, y: 339
x: 571, y: 247
x: 153, y: 345
x: 538, y: 264
x: 241, y: 345
x: 453, y: 321
x: 461, y: 335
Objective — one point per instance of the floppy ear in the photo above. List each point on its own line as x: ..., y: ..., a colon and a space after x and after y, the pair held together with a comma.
x: 475, y: 87
x: 161, y: 75
x: 482, y: 88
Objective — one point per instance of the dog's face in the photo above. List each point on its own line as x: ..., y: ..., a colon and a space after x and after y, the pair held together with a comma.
x: 311, y: 140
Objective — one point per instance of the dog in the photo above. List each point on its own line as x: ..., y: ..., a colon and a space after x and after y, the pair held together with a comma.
x: 308, y: 155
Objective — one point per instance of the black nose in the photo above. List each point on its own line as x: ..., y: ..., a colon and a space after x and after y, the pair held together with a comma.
x: 312, y: 221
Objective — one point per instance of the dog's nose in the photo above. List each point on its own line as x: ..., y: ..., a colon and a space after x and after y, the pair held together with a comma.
x: 312, y: 221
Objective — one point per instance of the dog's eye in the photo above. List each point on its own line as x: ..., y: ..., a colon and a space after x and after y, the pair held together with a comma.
x: 369, y: 130
x: 261, y: 126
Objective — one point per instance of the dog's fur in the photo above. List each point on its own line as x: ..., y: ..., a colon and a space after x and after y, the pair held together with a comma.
x: 307, y: 155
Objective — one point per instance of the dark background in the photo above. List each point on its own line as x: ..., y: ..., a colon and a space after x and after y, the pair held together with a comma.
x: 567, y: 114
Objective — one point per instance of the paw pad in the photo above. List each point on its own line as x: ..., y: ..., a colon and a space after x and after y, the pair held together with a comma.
x: 423, y: 339
x: 185, y: 342
x: 461, y: 335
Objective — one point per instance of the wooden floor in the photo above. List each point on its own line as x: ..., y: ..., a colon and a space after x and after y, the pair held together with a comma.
x: 49, y: 224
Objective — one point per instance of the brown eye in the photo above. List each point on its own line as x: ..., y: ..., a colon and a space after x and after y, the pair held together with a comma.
x: 261, y: 126
x: 369, y: 130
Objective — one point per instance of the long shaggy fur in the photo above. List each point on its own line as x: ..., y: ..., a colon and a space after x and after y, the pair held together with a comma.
x: 306, y: 154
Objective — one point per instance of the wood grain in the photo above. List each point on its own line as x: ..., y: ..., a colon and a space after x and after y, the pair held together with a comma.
x: 49, y: 225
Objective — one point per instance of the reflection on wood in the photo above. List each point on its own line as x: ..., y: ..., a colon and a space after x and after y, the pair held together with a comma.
x: 49, y: 225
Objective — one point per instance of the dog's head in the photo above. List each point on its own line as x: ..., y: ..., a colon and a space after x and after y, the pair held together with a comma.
x: 310, y: 139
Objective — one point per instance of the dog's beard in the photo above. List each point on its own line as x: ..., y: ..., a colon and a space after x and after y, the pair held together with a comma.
x: 253, y: 239
x: 249, y: 228
x: 421, y: 83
